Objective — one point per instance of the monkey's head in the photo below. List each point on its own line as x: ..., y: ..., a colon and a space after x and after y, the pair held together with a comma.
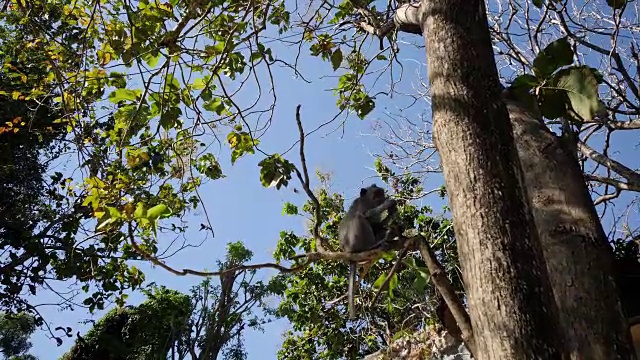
x: 373, y: 193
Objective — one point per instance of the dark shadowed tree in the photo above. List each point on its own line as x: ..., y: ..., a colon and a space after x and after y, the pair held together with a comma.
x: 146, y: 331
x: 15, y: 331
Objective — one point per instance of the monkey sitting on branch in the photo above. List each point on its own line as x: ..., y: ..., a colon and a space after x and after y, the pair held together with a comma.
x: 365, y: 228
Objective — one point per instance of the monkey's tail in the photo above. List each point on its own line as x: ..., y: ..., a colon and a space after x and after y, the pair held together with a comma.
x: 352, y: 285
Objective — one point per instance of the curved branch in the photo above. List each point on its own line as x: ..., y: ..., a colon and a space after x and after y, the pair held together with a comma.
x: 632, y: 177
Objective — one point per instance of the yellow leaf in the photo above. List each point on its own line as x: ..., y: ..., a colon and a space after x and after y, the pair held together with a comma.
x: 23, y: 77
x: 17, y: 119
x: 166, y: 6
x: 15, y: 95
x: 128, y: 209
x: 104, y: 57
x: 15, y: 130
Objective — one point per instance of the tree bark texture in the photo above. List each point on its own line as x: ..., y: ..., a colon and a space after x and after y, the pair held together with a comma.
x: 576, y: 251
x: 509, y: 295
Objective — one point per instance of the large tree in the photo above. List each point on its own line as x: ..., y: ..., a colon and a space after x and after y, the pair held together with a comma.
x: 161, y: 81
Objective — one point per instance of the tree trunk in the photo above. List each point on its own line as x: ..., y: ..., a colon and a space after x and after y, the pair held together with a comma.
x: 509, y: 295
x: 577, y: 254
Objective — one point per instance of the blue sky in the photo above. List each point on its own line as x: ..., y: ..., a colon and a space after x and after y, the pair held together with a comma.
x: 241, y: 209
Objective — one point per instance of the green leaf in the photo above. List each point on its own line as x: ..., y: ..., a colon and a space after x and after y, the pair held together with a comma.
x: 198, y: 84
x: 420, y: 284
x: 124, y: 95
x: 553, y: 103
x: 140, y: 212
x: 554, y: 56
x: 160, y: 210
x: 379, y: 281
x: 582, y: 88
x: 336, y: 59
x: 242, y: 143
x: 152, y: 59
x: 525, y: 82
x: 172, y: 82
x: 393, y: 283
x: 208, y: 165
x: 289, y: 209
x: 616, y: 4
x: 275, y: 171
x: 215, y: 105
x: 538, y: 3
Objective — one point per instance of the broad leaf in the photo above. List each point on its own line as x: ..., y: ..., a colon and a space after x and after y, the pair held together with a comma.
x: 553, y: 103
x: 554, y: 56
x: 336, y: 59
x: 124, y: 95
x: 582, y: 88
x: 525, y: 82
x: 158, y: 211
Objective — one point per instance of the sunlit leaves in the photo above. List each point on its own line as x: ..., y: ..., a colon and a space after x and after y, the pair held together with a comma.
x: 208, y: 165
x: 241, y: 143
x: 124, y: 95
x: 289, y: 209
x: 149, y: 216
x: 216, y: 105
x: 104, y: 57
x: 198, y: 84
x: 152, y: 58
x: 275, y: 171
x: 323, y: 46
x: 352, y: 96
x: 137, y: 157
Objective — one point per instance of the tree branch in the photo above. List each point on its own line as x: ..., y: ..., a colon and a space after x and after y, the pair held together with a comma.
x: 441, y: 282
x: 631, y: 176
x: 407, y: 18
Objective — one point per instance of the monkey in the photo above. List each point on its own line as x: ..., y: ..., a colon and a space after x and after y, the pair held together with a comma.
x: 356, y: 230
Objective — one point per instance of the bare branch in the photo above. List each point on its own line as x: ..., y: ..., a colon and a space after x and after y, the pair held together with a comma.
x: 631, y: 176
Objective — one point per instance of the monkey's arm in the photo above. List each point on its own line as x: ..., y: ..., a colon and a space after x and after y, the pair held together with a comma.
x: 376, y: 215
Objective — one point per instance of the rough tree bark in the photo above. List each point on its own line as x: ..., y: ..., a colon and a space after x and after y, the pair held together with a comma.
x: 577, y: 254
x: 509, y: 295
